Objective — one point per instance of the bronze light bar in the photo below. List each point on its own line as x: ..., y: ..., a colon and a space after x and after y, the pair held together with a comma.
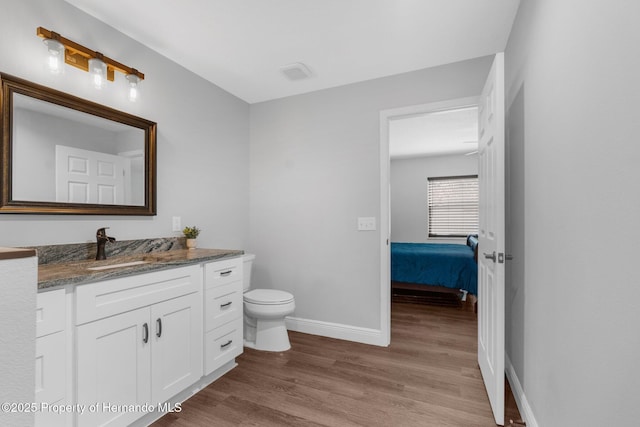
x: 78, y: 56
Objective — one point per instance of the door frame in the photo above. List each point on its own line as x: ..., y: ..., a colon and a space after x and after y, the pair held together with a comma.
x: 385, y: 200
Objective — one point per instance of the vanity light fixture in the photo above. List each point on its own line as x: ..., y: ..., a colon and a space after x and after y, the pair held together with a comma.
x: 56, y: 55
x: 101, y: 67
x: 98, y: 70
x: 133, y: 80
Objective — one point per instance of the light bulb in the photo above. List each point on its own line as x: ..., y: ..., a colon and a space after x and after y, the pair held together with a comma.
x: 98, y: 70
x: 133, y: 87
x: 56, y: 55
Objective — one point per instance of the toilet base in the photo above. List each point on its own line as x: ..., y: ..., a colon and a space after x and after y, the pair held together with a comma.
x: 269, y: 335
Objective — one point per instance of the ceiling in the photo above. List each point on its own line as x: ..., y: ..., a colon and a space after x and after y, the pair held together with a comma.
x: 240, y: 45
x: 434, y: 134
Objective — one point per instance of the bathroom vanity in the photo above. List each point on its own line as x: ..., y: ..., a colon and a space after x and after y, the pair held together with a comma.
x: 123, y: 341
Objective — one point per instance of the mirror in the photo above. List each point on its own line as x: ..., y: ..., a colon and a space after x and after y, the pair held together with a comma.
x: 65, y: 155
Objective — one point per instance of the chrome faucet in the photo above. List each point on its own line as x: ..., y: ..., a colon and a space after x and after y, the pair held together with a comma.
x: 102, y: 238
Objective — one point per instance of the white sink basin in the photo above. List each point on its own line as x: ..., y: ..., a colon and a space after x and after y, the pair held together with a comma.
x: 124, y: 264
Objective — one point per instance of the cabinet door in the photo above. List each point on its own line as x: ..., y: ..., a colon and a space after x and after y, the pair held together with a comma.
x: 114, y: 367
x: 50, y: 377
x: 176, y: 359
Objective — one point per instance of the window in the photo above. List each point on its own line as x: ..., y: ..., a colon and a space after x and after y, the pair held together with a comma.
x: 453, y: 206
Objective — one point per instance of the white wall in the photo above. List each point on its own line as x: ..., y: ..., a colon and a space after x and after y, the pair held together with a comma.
x: 573, y: 101
x: 409, y: 213
x: 203, y: 132
x: 18, y: 338
x: 315, y: 168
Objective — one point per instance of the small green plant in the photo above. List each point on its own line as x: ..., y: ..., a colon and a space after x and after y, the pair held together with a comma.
x: 191, y: 232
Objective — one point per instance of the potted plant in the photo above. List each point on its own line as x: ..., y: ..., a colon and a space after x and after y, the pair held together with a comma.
x: 191, y: 233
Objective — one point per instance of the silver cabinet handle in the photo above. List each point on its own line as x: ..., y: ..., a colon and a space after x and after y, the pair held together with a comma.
x: 145, y: 330
x: 492, y: 256
x: 159, y: 327
x: 226, y: 304
x: 227, y: 344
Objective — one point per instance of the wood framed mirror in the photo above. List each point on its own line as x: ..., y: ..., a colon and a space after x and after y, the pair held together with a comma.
x: 61, y: 154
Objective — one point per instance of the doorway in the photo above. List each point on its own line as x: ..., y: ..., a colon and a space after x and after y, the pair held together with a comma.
x: 387, y: 117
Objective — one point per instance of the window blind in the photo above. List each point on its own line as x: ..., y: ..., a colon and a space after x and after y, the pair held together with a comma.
x: 453, y: 206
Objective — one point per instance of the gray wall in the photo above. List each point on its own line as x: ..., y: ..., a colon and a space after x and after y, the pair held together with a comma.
x: 409, y: 213
x: 203, y: 132
x: 315, y: 168
x: 572, y: 72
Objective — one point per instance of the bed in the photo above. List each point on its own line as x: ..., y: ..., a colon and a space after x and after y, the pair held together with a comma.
x: 440, y: 265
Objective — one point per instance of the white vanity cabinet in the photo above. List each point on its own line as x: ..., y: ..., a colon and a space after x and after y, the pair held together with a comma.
x: 223, y: 313
x: 139, y: 341
x: 123, y: 351
x: 51, y: 361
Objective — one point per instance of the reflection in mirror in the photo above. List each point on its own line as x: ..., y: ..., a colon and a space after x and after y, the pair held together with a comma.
x: 64, y: 155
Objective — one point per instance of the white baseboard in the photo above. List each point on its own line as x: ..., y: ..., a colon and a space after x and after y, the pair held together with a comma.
x: 518, y: 393
x: 336, y: 330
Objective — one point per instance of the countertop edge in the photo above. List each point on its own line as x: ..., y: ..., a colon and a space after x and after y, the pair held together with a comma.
x: 15, y: 253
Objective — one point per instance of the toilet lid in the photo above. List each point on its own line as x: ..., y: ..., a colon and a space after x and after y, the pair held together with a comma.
x: 267, y: 296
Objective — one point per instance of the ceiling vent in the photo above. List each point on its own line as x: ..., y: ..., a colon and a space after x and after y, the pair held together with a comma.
x: 296, y: 71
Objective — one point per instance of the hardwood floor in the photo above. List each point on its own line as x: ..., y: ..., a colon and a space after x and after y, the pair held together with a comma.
x: 428, y: 376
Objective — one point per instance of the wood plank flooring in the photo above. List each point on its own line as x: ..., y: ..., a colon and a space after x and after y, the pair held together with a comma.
x: 428, y: 376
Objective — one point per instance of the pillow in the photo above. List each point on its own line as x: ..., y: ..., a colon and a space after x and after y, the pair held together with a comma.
x: 472, y: 242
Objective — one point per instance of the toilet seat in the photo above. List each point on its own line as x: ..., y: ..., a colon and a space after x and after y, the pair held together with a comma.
x: 267, y: 297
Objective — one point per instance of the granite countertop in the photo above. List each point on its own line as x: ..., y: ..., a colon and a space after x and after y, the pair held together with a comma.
x: 77, y: 272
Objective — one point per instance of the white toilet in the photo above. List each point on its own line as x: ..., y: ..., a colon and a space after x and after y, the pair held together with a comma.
x: 264, y: 313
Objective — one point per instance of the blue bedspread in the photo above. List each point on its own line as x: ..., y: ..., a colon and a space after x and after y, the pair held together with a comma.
x: 436, y: 264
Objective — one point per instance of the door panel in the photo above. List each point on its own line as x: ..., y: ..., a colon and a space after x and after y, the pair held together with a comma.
x: 491, y: 170
x: 84, y: 176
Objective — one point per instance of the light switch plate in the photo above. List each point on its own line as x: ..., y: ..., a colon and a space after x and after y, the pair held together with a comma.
x: 366, y: 223
x: 176, y: 223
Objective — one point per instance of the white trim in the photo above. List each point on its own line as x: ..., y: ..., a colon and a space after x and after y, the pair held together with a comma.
x: 385, y: 204
x: 385, y: 229
x: 518, y: 393
x: 336, y: 330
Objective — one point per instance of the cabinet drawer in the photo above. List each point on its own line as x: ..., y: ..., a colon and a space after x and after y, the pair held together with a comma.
x: 220, y: 273
x: 50, y: 312
x: 222, y: 345
x: 102, y: 299
x: 222, y: 304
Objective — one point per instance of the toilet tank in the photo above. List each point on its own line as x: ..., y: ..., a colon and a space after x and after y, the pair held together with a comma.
x: 247, y: 262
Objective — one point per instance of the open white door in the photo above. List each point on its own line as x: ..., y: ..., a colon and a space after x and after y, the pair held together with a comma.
x: 491, y: 259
